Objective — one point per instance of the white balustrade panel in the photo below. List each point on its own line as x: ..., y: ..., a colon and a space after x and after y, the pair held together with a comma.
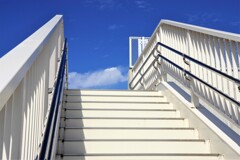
x: 217, y: 49
x: 27, y: 72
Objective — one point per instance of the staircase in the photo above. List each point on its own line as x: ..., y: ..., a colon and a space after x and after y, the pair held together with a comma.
x: 110, y: 125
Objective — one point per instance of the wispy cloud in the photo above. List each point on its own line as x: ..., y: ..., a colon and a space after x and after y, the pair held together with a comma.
x: 115, y: 26
x: 100, y: 78
x: 141, y: 4
x: 235, y: 23
x: 102, y: 4
x: 203, y: 17
x: 74, y: 38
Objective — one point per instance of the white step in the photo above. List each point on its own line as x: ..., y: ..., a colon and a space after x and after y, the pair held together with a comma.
x: 108, y: 105
x: 121, y: 113
x: 126, y: 125
x: 114, y: 133
x: 113, y: 92
x: 115, y: 99
x: 142, y: 157
x: 134, y: 146
x: 124, y: 122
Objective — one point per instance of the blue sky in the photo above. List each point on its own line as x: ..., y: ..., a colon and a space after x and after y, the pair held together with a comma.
x: 98, y: 30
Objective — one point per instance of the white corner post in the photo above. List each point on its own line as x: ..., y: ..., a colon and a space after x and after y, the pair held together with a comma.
x: 194, y: 96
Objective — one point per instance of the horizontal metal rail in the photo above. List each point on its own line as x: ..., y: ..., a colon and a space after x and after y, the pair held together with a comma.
x: 139, y: 70
x: 53, y: 114
x: 187, y: 72
x: 195, y: 77
x: 200, y: 63
x: 156, y: 58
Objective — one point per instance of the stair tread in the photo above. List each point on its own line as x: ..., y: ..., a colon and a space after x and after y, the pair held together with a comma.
x: 98, y: 95
x: 135, y: 140
x: 90, y: 136
x: 186, y: 156
x: 118, y: 109
x: 132, y: 128
x: 131, y: 102
x: 129, y: 118
x: 143, y: 154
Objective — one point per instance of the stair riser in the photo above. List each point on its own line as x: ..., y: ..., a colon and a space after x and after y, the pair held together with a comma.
x: 119, y: 93
x: 118, y: 106
x: 123, y: 123
x: 111, y: 113
x: 115, y: 99
x: 129, y: 134
x: 139, y: 157
x: 80, y: 147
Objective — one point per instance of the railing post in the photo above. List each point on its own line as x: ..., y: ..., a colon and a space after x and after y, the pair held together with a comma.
x: 130, y: 77
x: 194, y: 97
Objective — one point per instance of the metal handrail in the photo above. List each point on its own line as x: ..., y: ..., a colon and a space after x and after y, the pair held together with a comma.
x: 130, y: 84
x: 54, y: 110
x: 195, y: 77
x: 156, y: 58
x: 200, y: 63
x: 189, y: 73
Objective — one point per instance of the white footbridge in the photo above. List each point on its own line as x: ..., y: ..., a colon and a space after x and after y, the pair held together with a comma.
x: 183, y: 101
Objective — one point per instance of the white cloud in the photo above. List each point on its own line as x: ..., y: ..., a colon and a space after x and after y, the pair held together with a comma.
x: 100, y: 78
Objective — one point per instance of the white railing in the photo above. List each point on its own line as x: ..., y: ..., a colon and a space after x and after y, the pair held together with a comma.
x: 28, y: 74
x: 205, y: 61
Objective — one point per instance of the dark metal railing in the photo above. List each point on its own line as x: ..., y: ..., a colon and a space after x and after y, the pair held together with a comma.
x: 237, y: 81
x: 48, y: 138
x: 200, y: 63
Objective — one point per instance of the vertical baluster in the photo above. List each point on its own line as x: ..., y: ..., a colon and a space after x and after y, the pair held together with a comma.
x: 162, y: 49
x: 29, y: 117
x: 168, y: 42
x: 223, y: 69
x: 175, y: 46
x: 36, y: 113
x: 229, y: 84
x: 167, y: 51
x: 236, y: 74
x: 16, y: 125
x: 7, y: 139
x: 209, y: 72
x: 213, y: 74
x: 205, y: 60
x: 2, y: 117
x: 193, y: 54
x: 181, y: 48
x: 186, y: 50
x: 198, y: 49
x: 218, y: 67
x: 24, y: 113
x: 38, y: 108
x: 202, y: 59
